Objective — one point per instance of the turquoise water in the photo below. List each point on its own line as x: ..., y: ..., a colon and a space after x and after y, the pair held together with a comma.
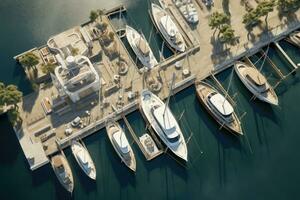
x: 263, y: 165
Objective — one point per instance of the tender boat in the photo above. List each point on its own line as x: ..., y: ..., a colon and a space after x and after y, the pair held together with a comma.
x: 256, y: 83
x: 83, y: 159
x: 295, y: 38
x: 188, y: 10
x: 167, y: 28
x: 164, y: 123
x: 218, y: 107
x: 63, y: 171
x: 120, y: 143
x: 140, y: 47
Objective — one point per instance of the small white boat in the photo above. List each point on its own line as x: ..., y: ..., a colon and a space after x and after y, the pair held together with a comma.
x: 188, y: 10
x: 163, y: 123
x: 256, y: 83
x: 218, y: 107
x: 120, y: 143
x: 140, y: 47
x: 295, y: 38
x: 167, y: 28
x: 83, y: 159
x: 63, y: 171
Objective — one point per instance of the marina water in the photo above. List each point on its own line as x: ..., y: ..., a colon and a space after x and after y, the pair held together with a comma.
x: 263, y: 165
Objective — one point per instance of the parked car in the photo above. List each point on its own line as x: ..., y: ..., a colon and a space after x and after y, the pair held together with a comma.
x: 76, y: 122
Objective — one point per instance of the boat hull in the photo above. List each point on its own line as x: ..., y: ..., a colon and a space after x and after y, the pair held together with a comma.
x: 235, y: 128
x: 70, y: 186
x: 76, y: 147
x: 271, y: 97
x: 130, y: 32
x: 155, y: 10
x: 132, y: 164
x: 181, y: 150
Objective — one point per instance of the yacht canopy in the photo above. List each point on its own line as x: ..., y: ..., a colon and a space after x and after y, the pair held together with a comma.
x: 142, y: 45
x: 166, y: 121
x: 221, y: 104
x: 168, y: 25
x: 255, y: 76
x: 82, y: 157
x: 121, y: 140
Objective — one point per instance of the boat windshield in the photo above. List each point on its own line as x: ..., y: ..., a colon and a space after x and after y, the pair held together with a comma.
x: 173, y: 140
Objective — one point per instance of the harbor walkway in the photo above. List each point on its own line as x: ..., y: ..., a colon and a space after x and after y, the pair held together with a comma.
x: 204, y: 57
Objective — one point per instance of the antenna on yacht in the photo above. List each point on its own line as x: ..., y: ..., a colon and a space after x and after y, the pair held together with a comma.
x: 170, y: 92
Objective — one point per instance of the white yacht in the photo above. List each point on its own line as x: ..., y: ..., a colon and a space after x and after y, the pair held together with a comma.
x: 217, y: 106
x: 167, y: 28
x: 188, y: 10
x: 83, y: 159
x: 164, y: 123
x: 63, y: 171
x: 120, y: 143
x: 140, y: 47
x: 295, y: 38
x: 256, y: 83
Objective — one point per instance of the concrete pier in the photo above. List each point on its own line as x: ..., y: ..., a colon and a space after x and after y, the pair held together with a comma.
x: 203, y: 57
x: 285, y: 55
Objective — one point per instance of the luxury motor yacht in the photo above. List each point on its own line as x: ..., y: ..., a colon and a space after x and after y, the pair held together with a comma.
x: 63, y: 171
x: 256, y: 83
x: 218, y: 107
x: 164, y: 123
x: 188, y: 10
x: 167, y: 28
x: 140, y: 47
x: 120, y: 143
x: 295, y: 38
x: 83, y: 159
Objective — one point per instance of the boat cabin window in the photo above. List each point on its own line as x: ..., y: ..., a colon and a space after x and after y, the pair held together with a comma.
x: 173, y: 140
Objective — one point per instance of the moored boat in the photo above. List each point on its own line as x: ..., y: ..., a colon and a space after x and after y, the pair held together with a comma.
x: 295, y: 38
x: 164, y: 124
x: 256, y: 83
x: 218, y: 107
x: 120, y: 143
x: 63, y: 171
x: 167, y: 28
x: 140, y: 47
x: 83, y: 159
x: 188, y: 10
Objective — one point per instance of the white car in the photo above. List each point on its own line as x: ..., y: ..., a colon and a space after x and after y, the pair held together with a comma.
x: 76, y: 122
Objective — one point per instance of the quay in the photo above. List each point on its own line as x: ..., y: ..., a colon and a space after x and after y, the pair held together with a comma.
x: 117, y: 81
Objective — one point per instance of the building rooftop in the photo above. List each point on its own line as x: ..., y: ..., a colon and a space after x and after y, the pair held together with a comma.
x: 75, y: 73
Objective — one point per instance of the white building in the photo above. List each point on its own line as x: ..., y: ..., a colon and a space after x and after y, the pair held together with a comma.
x: 76, y: 77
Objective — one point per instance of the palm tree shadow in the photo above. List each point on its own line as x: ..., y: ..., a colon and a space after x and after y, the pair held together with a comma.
x: 225, y: 5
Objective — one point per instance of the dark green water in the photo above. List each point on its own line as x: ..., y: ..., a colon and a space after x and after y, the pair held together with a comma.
x: 228, y: 168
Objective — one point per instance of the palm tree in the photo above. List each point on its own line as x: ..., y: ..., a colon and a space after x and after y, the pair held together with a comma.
x: 93, y: 15
x: 227, y: 34
x: 286, y: 5
x: 111, y: 36
x: 10, y: 95
x: 264, y: 8
x: 29, y: 60
x: 100, y: 13
x: 251, y: 18
x: 47, y: 69
x: 216, y: 20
